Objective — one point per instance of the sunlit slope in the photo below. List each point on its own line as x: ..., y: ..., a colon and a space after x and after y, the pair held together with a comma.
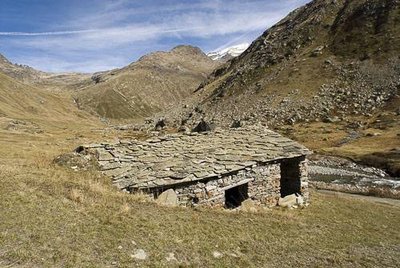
x: 152, y: 84
x: 22, y: 102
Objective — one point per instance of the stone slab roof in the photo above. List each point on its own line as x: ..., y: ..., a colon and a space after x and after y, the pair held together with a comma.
x: 178, y: 158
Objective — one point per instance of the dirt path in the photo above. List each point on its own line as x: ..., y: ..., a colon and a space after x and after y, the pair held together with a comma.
x: 385, y: 201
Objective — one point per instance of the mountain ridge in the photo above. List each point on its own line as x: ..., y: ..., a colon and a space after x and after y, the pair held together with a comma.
x: 52, y: 81
x: 153, y: 83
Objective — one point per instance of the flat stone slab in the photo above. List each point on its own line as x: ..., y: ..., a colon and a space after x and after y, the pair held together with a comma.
x: 179, y: 158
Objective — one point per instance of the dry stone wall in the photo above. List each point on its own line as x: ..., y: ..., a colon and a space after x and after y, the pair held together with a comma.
x: 304, y: 177
x: 263, y: 184
x: 262, y: 181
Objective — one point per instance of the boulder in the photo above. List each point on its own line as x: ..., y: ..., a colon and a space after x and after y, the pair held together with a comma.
x: 203, y: 126
x: 168, y: 198
x: 160, y: 124
x: 236, y: 124
x: 288, y: 201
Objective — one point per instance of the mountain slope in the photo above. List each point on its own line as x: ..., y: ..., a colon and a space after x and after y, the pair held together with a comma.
x: 327, y: 75
x: 326, y: 59
x: 31, y: 76
x: 30, y: 109
x: 153, y: 83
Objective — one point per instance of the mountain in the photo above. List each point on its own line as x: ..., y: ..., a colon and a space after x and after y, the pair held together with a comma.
x: 152, y: 84
x: 22, y: 73
x: 228, y: 53
x: 325, y: 60
x: 327, y: 76
x: 31, y: 76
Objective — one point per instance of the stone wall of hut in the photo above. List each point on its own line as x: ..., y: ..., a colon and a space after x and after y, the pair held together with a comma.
x: 263, y: 185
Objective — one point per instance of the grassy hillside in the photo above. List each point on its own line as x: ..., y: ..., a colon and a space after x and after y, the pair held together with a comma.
x: 340, y: 99
x: 26, y: 108
x: 51, y: 216
x: 154, y: 83
x: 52, y: 81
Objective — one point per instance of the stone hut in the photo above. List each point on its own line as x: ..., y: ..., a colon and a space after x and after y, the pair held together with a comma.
x: 221, y: 168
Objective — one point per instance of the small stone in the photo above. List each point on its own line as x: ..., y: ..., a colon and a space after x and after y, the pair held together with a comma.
x: 299, y: 200
x: 139, y: 254
x: 119, y: 247
x: 248, y: 206
x: 236, y: 124
x: 160, y: 124
x: 183, y: 129
x: 288, y: 201
x: 217, y: 255
x: 170, y: 257
x: 234, y: 255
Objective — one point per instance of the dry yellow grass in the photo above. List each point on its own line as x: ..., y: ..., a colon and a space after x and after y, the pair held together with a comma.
x: 53, y: 216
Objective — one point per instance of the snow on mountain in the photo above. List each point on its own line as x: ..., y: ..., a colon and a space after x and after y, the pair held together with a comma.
x: 229, y: 52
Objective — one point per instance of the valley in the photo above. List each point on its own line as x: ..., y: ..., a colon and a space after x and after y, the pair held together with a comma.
x: 326, y: 77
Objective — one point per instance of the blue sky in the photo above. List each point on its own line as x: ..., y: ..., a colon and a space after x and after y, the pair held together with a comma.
x: 95, y: 35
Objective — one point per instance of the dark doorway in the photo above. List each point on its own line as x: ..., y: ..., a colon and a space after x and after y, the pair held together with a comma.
x: 290, y: 177
x: 236, y: 195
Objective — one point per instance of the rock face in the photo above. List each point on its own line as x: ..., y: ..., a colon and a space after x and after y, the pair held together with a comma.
x: 326, y: 59
x: 221, y: 168
x: 152, y: 84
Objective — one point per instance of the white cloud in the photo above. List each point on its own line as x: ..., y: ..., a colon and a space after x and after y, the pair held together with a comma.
x: 45, y: 33
x: 116, y: 26
x: 196, y: 24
